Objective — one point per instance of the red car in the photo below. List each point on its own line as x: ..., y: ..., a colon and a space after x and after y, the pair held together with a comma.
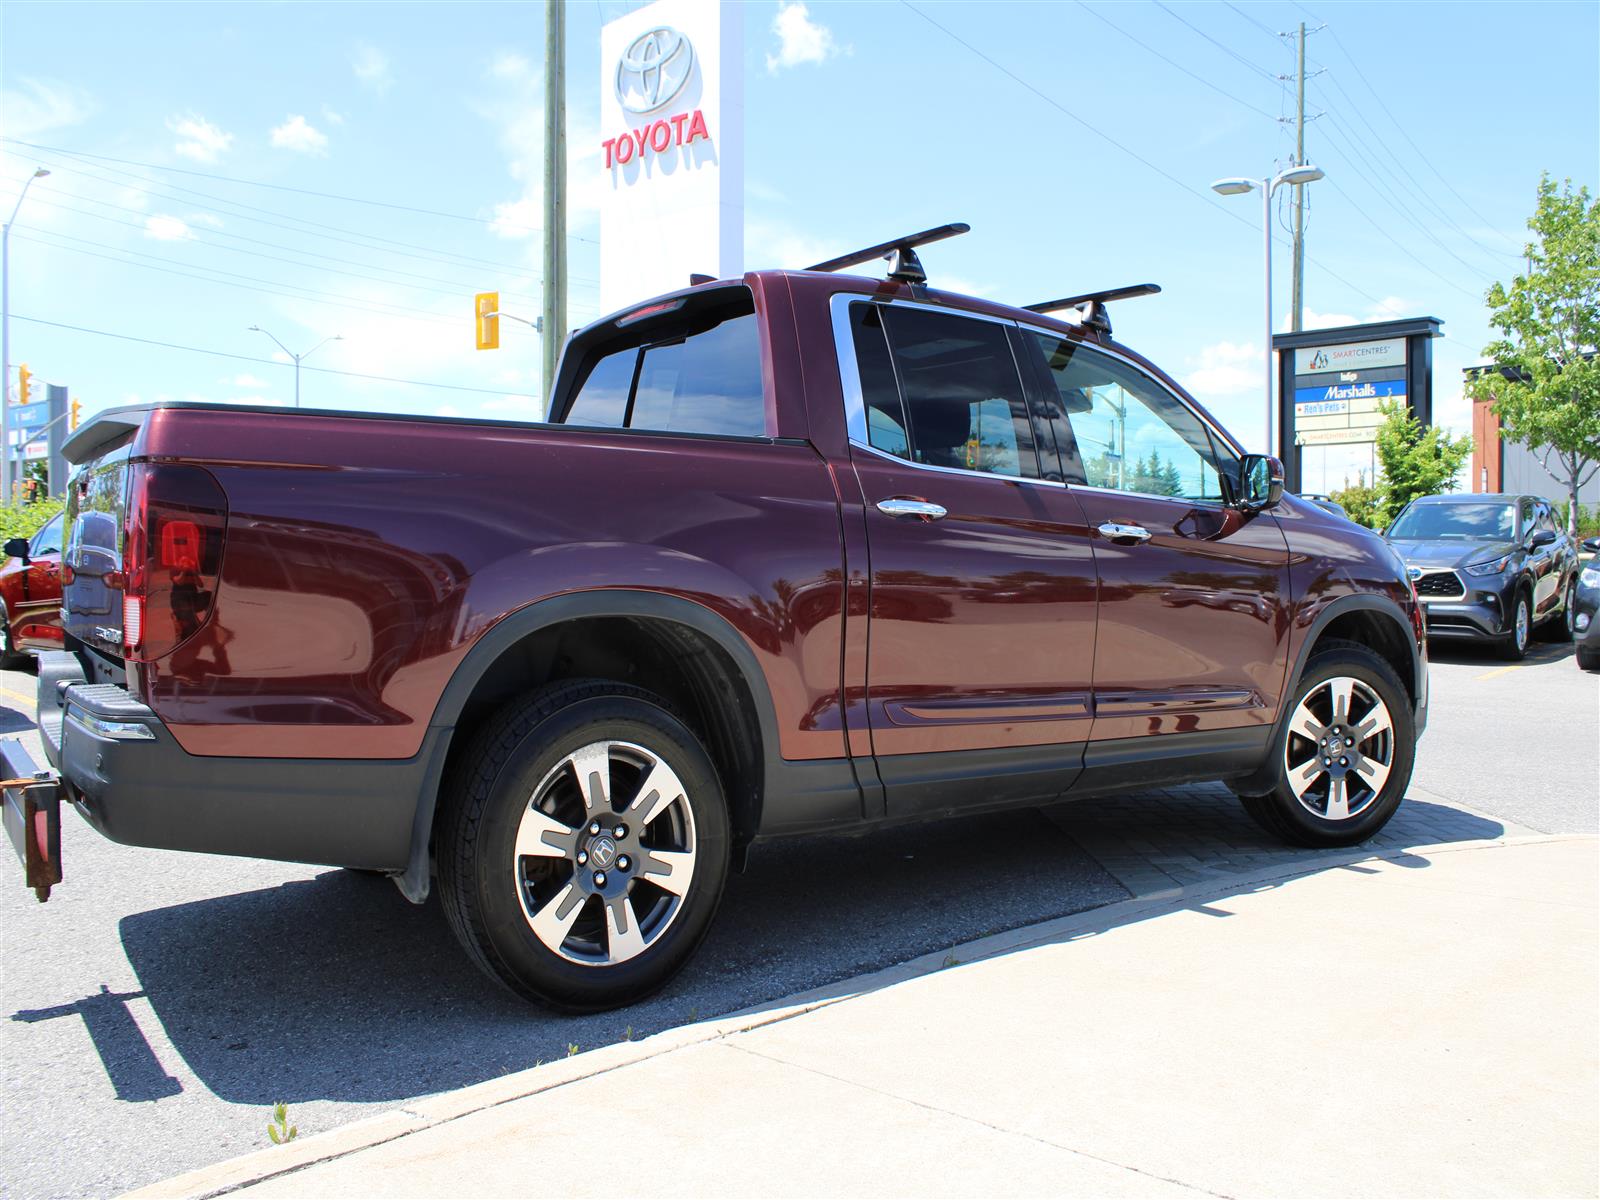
x: 793, y: 552
x: 30, y: 594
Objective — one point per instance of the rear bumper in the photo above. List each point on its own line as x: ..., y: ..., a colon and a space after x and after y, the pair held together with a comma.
x: 129, y: 778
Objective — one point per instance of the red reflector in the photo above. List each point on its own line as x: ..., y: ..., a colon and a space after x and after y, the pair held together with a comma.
x: 180, y: 545
x: 115, y: 580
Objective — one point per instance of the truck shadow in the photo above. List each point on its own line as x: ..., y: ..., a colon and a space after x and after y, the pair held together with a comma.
x: 334, y: 988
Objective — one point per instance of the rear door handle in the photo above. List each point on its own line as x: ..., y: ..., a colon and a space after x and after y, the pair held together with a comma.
x: 1116, y: 532
x: 904, y: 506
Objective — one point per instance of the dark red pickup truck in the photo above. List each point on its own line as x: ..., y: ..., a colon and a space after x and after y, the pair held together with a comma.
x: 794, y: 552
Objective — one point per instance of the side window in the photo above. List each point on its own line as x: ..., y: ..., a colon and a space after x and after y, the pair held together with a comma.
x: 961, y: 399
x: 1547, y: 519
x: 47, y: 540
x: 603, y: 397
x: 1525, y: 518
x: 886, y: 415
x: 707, y: 382
x: 1132, y: 434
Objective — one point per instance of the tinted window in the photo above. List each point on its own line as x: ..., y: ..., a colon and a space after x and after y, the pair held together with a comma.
x: 1132, y: 434
x: 603, y: 398
x: 708, y: 382
x: 1527, y: 518
x: 1547, y: 519
x: 48, y: 539
x: 886, y: 418
x: 1460, y: 520
x: 961, y: 402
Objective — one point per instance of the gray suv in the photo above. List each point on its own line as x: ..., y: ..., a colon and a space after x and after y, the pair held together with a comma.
x: 1488, y: 568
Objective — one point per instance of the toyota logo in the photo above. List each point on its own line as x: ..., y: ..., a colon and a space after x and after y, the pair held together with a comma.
x: 653, y: 69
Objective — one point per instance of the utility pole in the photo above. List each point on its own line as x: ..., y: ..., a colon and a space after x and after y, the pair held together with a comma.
x: 555, y: 188
x: 1297, y: 293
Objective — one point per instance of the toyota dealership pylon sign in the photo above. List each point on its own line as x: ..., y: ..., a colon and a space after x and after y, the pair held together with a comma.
x: 671, y: 148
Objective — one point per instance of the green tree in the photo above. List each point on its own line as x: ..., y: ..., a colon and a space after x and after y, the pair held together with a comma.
x: 1546, y: 388
x: 1415, y: 461
x: 1361, y: 502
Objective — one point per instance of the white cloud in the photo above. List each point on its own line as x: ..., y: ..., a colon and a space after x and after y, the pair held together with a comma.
x: 330, y: 117
x: 198, y: 138
x: 164, y: 228
x: 511, y: 65
x: 371, y: 66
x: 447, y: 410
x: 517, y: 219
x: 247, y: 381
x: 40, y: 105
x: 1225, y: 369
x: 297, y: 135
x: 800, y: 39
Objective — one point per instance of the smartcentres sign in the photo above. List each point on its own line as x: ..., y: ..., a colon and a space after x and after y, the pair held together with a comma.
x: 1333, y: 385
x: 671, y: 157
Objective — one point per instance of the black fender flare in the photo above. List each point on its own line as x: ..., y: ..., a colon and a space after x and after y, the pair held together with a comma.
x: 517, y: 625
x: 1343, y: 606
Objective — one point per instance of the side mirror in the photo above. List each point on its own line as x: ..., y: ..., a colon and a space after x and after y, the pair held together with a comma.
x: 17, y: 548
x: 1260, y: 483
x: 1592, y: 545
x: 1541, y: 537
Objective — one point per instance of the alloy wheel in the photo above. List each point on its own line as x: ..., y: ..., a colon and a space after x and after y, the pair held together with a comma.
x: 605, y: 853
x: 1570, y: 609
x: 1340, y: 749
x: 1521, y: 631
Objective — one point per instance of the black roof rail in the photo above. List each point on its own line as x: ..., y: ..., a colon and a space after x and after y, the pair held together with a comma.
x: 1093, y: 304
x: 905, y: 266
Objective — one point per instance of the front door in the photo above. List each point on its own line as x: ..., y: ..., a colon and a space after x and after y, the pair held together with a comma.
x: 1192, y: 612
x: 982, y: 604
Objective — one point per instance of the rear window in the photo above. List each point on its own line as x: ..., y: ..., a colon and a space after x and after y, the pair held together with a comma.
x: 699, y: 375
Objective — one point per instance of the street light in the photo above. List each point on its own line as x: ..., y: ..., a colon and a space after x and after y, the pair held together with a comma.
x: 298, y: 358
x: 5, y: 338
x: 1302, y: 173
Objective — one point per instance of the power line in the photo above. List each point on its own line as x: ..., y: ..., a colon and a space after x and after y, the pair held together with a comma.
x: 1266, y: 29
x: 1174, y: 62
x: 273, y: 289
x: 1404, y: 249
x: 280, y: 187
x: 404, y: 249
x: 1229, y: 51
x: 272, y: 362
x: 1067, y: 112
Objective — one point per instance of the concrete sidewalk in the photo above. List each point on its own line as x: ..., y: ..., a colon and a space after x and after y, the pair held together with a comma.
x: 1420, y: 1024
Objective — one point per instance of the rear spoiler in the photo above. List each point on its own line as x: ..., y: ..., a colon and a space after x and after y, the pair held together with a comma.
x: 111, y: 425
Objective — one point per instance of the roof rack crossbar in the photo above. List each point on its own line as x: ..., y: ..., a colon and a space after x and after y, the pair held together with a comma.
x: 1121, y: 293
x: 906, y: 266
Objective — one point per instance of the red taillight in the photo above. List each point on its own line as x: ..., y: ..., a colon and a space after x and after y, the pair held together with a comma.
x: 67, y: 575
x: 177, y: 518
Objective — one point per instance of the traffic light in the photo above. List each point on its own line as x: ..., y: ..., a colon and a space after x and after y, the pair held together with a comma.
x: 24, y: 383
x: 486, y: 309
x: 77, y: 414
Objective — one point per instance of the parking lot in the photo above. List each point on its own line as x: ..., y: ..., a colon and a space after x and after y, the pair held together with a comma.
x: 161, y: 1002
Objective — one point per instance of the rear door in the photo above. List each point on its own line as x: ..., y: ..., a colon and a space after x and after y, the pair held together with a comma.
x: 1192, y: 594
x: 982, y: 607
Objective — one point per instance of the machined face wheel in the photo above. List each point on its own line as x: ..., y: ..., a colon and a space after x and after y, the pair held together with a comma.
x: 1522, y: 623
x: 605, y: 853
x: 1340, y: 749
x: 1570, y: 608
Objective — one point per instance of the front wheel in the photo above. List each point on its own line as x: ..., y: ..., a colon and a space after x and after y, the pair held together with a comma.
x: 1343, y: 758
x: 583, y: 845
x: 1514, y: 645
x: 10, y: 659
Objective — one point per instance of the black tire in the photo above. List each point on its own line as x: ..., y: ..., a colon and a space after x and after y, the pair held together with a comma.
x: 1588, y: 660
x: 490, y: 894
x: 1281, y: 812
x: 1511, y: 647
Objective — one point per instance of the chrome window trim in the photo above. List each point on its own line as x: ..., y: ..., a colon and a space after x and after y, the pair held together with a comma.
x: 1217, y: 430
x: 1189, y: 500
x: 855, y: 402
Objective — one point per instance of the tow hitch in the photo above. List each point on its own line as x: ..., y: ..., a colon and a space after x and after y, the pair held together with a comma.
x: 32, y: 817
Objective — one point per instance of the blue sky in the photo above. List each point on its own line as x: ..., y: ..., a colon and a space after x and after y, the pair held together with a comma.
x: 1433, y: 122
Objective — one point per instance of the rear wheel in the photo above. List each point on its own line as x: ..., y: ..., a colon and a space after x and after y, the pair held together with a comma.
x: 583, y: 845
x: 1514, y: 645
x: 1588, y: 660
x: 10, y: 660
x: 1343, y: 758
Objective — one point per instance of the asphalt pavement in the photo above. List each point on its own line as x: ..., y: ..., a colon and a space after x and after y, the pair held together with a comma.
x: 160, y: 1003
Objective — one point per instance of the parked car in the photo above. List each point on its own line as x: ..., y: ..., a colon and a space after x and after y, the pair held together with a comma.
x: 1488, y: 568
x: 1325, y: 503
x: 794, y: 552
x: 1585, y: 625
x: 30, y: 594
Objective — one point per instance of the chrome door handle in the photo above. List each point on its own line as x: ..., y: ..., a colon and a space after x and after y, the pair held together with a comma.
x: 901, y: 506
x: 1113, y: 531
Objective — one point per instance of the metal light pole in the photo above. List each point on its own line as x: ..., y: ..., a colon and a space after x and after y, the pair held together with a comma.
x: 1301, y: 174
x: 5, y: 339
x: 298, y: 358
x: 555, y: 188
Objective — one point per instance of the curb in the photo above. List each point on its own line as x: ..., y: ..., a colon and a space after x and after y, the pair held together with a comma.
x: 272, y: 1162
